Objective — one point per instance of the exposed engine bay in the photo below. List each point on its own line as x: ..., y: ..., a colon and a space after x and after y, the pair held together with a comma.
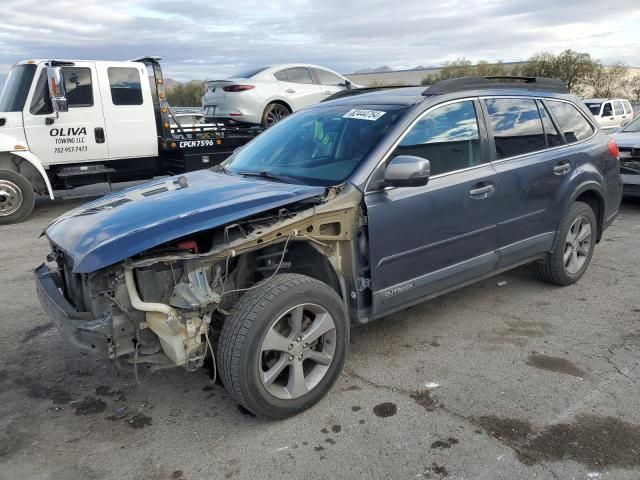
x: 164, y: 307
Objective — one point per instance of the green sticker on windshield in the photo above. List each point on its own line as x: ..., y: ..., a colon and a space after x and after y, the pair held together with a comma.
x: 362, y: 114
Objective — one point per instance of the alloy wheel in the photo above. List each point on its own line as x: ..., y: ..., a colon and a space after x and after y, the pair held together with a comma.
x: 577, y: 245
x: 297, y: 351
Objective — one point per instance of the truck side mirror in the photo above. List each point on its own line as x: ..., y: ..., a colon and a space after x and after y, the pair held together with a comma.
x: 56, y: 89
x: 407, y: 171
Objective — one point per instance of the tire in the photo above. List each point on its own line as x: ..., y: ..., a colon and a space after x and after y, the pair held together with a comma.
x: 243, y: 356
x: 273, y: 114
x: 17, y: 197
x: 555, y: 268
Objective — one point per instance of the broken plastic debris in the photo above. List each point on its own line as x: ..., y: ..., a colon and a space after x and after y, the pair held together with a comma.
x: 502, y: 283
x: 432, y: 385
x: 120, y: 412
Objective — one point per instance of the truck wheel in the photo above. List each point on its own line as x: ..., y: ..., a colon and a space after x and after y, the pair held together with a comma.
x: 17, y: 197
x: 274, y: 113
x: 573, y: 247
x: 283, y: 345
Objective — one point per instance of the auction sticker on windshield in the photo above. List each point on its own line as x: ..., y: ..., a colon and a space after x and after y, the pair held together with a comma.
x: 361, y: 114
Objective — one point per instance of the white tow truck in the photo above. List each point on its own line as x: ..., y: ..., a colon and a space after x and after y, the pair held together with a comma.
x: 65, y: 124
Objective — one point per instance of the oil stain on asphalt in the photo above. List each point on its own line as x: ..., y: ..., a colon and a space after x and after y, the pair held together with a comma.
x: 386, y: 409
x: 594, y: 441
x: 554, y: 364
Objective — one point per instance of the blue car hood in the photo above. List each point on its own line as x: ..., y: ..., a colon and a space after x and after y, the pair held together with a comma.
x: 123, y: 224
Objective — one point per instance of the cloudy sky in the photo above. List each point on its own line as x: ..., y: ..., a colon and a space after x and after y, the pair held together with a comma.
x: 215, y: 38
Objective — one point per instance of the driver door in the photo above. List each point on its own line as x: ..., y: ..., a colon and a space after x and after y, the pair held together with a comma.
x: 425, y: 240
x: 68, y: 137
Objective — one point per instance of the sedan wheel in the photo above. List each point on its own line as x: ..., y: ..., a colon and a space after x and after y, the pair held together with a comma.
x: 273, y: 114
x: 577, y: 245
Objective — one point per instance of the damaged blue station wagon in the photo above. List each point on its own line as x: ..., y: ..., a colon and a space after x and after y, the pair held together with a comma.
x: 340, y: 214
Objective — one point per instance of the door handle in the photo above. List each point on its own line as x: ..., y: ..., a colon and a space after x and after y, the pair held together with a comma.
x: 290, y: 90
x: 49, y: 120
x: 562, y: 168
x: 99, y: 133
x: 483, y: 192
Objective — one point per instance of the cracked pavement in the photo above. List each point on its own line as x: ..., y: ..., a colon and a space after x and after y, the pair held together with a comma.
x: 523, y: 380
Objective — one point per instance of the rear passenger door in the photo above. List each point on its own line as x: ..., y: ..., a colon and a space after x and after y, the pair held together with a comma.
x: 425, y: 240
x: 299, y: 88
x: 130, y: 124
x: 533, y: 165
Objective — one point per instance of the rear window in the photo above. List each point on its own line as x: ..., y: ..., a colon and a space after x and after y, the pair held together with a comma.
x: 572, y: 123
x: 517, y: 126
x: 249, y: 73
x: 125, y: 86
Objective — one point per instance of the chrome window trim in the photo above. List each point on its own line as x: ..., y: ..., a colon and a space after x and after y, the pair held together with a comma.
x: 406, y: 131
x: 491, y: 162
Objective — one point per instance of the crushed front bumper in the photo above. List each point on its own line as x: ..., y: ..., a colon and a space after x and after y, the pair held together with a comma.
x: 81, y: 328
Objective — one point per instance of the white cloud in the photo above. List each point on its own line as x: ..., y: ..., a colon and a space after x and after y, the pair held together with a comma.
x: 204, y: 39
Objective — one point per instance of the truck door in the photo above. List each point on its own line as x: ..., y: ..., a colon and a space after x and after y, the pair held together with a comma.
x: 68, y: 137
x: 128, y: 110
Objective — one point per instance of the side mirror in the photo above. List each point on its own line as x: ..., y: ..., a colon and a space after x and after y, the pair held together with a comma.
x: 56, y: 89
x: 348, y: 85
x: 407, y: 171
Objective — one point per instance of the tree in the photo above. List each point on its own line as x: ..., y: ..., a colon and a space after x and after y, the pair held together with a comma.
x: 634, y: 88
x: 608, y: 81
x: 573, y: 68
x: 186, y: 94
x: 463, y: 67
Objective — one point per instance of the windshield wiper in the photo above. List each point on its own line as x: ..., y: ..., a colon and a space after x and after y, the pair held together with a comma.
x: 271, y: 176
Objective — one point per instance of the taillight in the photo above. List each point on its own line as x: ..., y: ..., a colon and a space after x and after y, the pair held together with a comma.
x: 613, y: 148
x: 238, y: 88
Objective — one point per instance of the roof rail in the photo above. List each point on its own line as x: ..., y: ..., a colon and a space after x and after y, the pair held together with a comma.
x: 148, y: 58
x: 350, y: 92
x: 505, y: 81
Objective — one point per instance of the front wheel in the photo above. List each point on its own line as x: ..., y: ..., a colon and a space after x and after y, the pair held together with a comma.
x: 572, y: 248
x: 283, y: 345
x: 17, y: 197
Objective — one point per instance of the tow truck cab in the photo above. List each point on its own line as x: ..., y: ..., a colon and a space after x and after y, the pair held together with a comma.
x: 70, y: 123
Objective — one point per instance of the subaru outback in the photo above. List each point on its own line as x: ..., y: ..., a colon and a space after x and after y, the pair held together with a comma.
x: 341, y: 214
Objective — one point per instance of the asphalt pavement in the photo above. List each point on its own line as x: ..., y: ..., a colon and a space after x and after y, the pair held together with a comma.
x: 509, y: 378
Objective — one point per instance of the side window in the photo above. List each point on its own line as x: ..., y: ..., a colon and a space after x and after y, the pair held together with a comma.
x: 281, y: 75
x: 628, y: 109
x: 554, y: 139
x: 299, y: 75
x: 125, y: 86
x: 78, y: 87
x: 447, y: 136
x: 607, y: 111
x: 572, y: 123
x: 328, y: 78
x: 41, y: 102
x: 517, y: 126
x: 617, y: 108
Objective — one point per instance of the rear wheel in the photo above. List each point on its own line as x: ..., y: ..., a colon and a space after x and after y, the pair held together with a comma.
x: 17, y: 197
x: 274, y: 113
x: 283, y: 345
x: 573, y: 247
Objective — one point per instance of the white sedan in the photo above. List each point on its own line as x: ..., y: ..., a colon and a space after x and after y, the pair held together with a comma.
x: 268, y: 94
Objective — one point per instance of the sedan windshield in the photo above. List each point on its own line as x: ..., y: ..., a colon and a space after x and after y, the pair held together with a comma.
x: 16, y: 88
x: 321, y: 146
x: 633, y: 127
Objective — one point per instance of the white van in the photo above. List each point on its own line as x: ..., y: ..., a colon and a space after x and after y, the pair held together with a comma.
x: 610, y: 112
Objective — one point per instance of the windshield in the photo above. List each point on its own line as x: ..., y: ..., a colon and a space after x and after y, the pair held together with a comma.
x: 595, y: 108
x: 321, y: 146
x: 16, y: 88
x: 249, y: 73
x: 633, y: 127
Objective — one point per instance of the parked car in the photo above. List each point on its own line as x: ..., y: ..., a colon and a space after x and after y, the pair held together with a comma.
x: 628, y: 140
x: 339, y: 215
x: 266, y: 95
x: 611, y: 112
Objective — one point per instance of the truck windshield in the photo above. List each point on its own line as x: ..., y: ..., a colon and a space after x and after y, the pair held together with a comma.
x: 321, y: 146
x: 595, y: 108
x: 16, y: 88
